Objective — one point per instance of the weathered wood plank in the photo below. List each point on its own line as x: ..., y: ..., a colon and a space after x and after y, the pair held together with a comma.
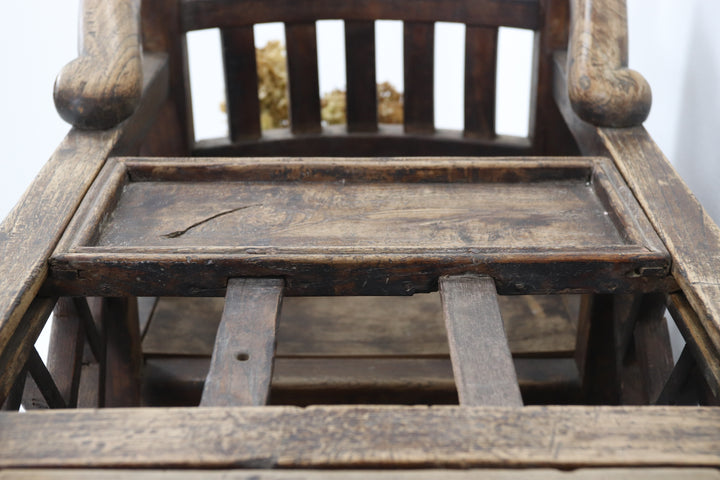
x: 242, y: 361
x: 303, y: 82
x: 199, y: 14
x: 428, y: 474
x: 361, y: 84
x: 419, y: 59
x: 241, y: 82
x: 480, y: 68
x: 347, y: 437
x: 482, y: 363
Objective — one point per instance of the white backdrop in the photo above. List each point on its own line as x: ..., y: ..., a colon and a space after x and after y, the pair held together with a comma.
x: 674, y: 44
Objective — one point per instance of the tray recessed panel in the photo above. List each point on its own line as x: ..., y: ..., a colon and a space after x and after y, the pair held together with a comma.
x: 337, y: 226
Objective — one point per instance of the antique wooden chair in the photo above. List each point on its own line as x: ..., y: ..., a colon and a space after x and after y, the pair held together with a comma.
x: 583, y: 219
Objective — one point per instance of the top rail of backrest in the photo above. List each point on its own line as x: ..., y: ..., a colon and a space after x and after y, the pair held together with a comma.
x: 201, y: 14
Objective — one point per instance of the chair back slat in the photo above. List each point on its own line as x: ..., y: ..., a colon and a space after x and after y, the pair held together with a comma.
x: 241, y: 83
x: 362, y: 112
x: 418, y: 51
x: 480, y: 67
x: 303, y: 83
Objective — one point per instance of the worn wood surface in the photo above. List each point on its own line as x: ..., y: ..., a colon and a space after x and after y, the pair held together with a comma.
x: 428, y: 474
x: 358, y: 326
x: 199, y: 14
x: 361, y: 98
x: 64, y: 358
x: 29, y: 234
x: 370, y: 219
x: 482, y: 363
x: 241, y: 82
x: 335, y: 141
x: 689, y: 234
x: 347, y: 437
x: 242, y: 360
x: 601, y: 87
x: 102, y: 87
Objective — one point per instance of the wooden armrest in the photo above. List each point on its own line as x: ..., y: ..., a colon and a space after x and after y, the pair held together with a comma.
x: 102, y: 87
x: 602, y: 90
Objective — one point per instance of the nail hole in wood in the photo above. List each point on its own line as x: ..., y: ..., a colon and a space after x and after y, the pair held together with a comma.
x: 242, y: 357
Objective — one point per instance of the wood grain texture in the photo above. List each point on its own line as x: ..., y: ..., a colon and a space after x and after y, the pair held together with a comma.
x: 688, y: 232
x: 242, y: 360
x: 303, y: 82
x: 363, y: 437
x: 29, y: 234
x: 480, y: 67
x: 361, y: 84
x: 418, y: 60
x: 482, y: 363
x: 427, y: 474
x: 102, y: 87
x: 241, y: 82
x: 199, y: 14
x: 602, y: 90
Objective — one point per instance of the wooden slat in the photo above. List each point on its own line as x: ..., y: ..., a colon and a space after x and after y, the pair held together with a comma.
x: 32, y: 229
x: 123, y: 353
x: 303, y: 83
x: 388, y: 141
x: 242, y: 361
x: 241, y: 82
x: 419, y: 59
x: 652, y: 344
x: 361, y: 83
x: 364, y: 436
x: 480, y: 67
x: 427, y: 474
x: 67, y: 340
x: 44, y: 381
x: 481, y: 359
x: 199, y: 14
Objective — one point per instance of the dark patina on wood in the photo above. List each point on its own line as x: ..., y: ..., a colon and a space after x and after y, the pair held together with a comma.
x: 339, y: 226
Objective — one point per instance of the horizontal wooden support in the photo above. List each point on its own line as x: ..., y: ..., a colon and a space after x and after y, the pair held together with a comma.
x: 200, y: 14
x: 429, y: 474
x: 363, y: 437
x: 336, y: 141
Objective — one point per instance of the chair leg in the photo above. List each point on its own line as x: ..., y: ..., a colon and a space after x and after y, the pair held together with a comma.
x: 123, y: 356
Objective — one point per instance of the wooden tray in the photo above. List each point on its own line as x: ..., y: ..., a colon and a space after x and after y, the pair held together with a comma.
x: 361, y: 226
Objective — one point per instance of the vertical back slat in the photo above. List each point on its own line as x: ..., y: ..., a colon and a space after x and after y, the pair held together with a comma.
x: 241, y: 84
x: 361, y: 83
x: 242, y: 360
x: 480, y: 69
x: 418, y: 51
x: 304, y: 86
x: 481, y: 360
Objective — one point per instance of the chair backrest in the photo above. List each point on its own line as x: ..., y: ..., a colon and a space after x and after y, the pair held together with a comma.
x: 362, y: 136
